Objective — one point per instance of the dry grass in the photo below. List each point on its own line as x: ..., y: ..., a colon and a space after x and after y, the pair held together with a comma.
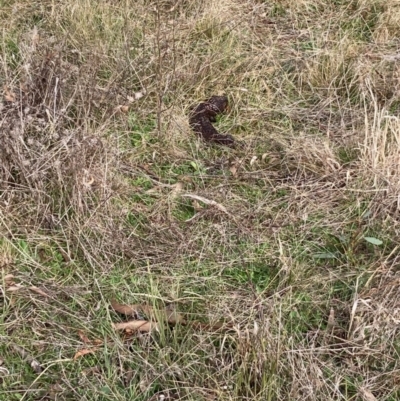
x: 96, y: 155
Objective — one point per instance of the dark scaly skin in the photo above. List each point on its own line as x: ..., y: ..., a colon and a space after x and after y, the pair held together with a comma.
x: 204, y: 114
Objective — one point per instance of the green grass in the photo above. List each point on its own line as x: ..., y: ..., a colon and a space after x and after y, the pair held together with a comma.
x: 296, y: 228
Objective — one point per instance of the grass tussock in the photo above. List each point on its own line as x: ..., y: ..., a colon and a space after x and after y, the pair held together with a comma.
x: 291, y: 241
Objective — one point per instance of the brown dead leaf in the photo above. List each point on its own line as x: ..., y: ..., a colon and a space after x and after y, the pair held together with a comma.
x: 83, y: 352
x: 177, y: 190
x: 93, y: 371
x: 233, y: 170
x: 89, y: 182
x: 212, y: 327
x: 234, y: 167
x: 129, y: 375
x: 173, y: 316
x: 23, y: 87
x: 121, y: 109
x: 83, y: 337
x: 366, y: 394
x: 168, y: 314
x: 136, y: 325
x: 9, y: 96
x: 136, y: 96
x: 197, y: 206
x: 9, y: 279
x: 130, y: 310
x: 35, y: 37
x: 38, y: 291
x: 15, y: 288
x: 139, y: 95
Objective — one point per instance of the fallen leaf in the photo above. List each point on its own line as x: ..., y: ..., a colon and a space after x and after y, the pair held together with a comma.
x: 9, y: 279
x: 35, y: 36
x: 177, y: 190
x: 212, y: 327
x: 172, y: 315
x: 197, y: 206
x: 138, y: 95
x: 136, y: 325
x: 234, y: 167
x: 38, y: 291
x: 88, y: 183
x: 367, y: 395
x: 15, y: 288
x: 144, y: 385
x: 83, y: 352
x: 83, y: 337
x: 8, y: 95
x: 121, y: 109
x: 128, y: 377
x: 35, y: 365
x: 169, y: 313
x: 95, y: 370
x: 129, y: 310
x: 373, y: 240
x: 23, y: 87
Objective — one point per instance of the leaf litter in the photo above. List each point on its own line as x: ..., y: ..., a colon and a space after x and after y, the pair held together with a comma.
x: 155, y: 318
x: 91, y: 346
x: 145, y: 319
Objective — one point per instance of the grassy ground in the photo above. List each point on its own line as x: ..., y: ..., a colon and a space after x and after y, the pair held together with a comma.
x: 96, y: 160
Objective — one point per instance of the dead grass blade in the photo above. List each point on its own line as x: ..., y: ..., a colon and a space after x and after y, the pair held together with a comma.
x: 207, y: 202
